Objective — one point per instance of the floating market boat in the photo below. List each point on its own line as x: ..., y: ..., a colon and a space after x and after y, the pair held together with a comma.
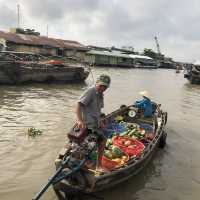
x: 75, y: 176
x: 17, y: 72
x: 144, y: 62
x: 193, y: 73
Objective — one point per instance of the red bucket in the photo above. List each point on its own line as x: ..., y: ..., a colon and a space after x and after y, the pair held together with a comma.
x: 134, y: 149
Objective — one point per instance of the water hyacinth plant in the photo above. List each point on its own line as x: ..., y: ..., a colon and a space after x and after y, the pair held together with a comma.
x: 32, y: 132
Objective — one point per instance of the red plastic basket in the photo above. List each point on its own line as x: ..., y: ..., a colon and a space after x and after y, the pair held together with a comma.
x: 111, y: 164
x: 135, y: 149
x: 108, y: 164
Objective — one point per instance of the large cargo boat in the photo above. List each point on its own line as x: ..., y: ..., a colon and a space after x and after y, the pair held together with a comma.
x: 23, y: 67
x: 17, y: 72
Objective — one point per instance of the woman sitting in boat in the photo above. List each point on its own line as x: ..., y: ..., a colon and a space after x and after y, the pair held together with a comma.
x: 145, y: 104
x: 88, y: 112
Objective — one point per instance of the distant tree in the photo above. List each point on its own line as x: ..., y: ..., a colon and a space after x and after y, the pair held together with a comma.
x: 150, y: 53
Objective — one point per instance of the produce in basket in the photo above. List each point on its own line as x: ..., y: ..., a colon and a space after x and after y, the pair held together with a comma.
x: 117, y: 151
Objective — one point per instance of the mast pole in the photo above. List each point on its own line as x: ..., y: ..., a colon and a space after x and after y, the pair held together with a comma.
x: 18, y: 16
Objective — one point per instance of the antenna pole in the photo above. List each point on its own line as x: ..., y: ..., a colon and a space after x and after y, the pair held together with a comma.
x: 47, y: 30
x: 18, y: 15
x: 157, y: 45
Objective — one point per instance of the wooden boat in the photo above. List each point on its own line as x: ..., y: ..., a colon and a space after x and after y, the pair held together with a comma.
x: 97, y: 181
x: 166, y: 64
x: 17, y: 72
x: 193, y: 74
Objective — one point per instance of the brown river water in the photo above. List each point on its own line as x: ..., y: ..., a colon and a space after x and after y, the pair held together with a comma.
x: 27, y: 163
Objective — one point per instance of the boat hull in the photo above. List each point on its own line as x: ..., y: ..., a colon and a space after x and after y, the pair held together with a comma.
x: 193, y: 75
x: 20, y: 72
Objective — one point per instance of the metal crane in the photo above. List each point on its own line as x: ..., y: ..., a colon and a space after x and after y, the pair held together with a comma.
x: 157, y: 45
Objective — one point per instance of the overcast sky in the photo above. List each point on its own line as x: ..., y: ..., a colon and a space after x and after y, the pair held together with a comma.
x: 117, y: 23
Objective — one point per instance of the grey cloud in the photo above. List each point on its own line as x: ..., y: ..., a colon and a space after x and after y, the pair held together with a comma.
x: 115, y: 22
x: 8, y: 16
x: 56, y: 10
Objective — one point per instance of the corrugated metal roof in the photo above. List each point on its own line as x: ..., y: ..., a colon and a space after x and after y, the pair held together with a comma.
x: 109, y: 53
x: 117, y: 54
x: 41, y: 41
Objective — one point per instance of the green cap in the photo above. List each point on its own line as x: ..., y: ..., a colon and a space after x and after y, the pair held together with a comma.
x: 104, y: 79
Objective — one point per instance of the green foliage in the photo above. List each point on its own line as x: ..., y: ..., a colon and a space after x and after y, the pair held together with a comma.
x: 150, y: 53
x: 33, y: 132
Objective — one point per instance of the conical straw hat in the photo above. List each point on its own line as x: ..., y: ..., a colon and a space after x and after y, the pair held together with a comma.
x: 145, y: 94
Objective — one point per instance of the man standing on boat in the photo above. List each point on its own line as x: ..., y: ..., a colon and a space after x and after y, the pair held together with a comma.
x: 88, y: 111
